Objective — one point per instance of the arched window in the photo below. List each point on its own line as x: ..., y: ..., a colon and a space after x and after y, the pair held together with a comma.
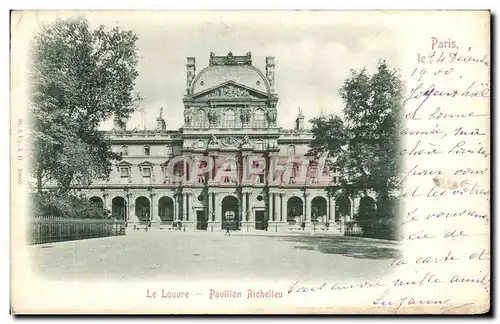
x: 259, y: 119
x: 200, y: 118
x: 229, y: 118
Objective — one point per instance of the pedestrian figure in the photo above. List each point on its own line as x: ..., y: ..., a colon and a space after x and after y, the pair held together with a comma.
x: 227, y: 231
x: 303, y: 225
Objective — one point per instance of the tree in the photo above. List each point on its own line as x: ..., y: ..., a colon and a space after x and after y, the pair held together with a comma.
x: 80, y: 78
x: 364, y: 143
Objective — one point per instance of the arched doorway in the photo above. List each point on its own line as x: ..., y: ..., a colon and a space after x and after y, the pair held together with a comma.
x: 97, y: 202
x: 230, y: 212
x: 294, y: 210
x: 367, y: 208
x: 166, y: 209
x: 142, y: 208
x: 319, y: 210
x: 119, y: 208
x: 342, y: 207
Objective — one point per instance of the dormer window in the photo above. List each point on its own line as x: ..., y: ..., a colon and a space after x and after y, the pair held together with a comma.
x: 147, y: 151
x: 124, y: 150
x: 124, y: 171
x: 146, y: 169
x: 146, y: 172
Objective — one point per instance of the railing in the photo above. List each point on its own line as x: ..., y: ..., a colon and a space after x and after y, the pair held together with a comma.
x: 372, y: 229
x: 353, y: 228
x: 58, y: 229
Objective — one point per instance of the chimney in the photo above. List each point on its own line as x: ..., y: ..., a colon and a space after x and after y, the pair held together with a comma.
x: 299, y: 122
x: 190, y: 73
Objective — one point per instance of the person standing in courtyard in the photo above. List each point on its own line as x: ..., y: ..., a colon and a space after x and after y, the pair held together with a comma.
x: 227, y: 231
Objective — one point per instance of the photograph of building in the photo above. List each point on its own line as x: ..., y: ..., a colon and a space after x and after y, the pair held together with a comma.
x: 196, y: 174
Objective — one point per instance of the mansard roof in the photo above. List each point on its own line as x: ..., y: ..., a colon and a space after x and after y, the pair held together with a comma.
x: 230, y: 67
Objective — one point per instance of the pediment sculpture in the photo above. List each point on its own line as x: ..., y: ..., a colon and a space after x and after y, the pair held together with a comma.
x: 228, y: 91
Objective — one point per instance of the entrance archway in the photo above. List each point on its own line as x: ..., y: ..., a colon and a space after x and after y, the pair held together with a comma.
x: 166, y: 209
x: 319, y: 210
x: 119, y: 208
x: 342, y: 207
x: 142, y: 208
x: 230, y: 212
x: 97, y: 202
x: 294, y: 210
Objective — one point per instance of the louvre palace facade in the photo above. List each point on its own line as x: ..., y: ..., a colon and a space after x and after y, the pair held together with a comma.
x: 229, y: 165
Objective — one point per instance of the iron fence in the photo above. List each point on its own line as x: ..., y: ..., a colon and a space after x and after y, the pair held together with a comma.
x: 354, y: 228
x: 57, y: 229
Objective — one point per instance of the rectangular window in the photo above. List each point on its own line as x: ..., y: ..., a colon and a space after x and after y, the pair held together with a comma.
x: 146, y: 172
x: 147, y: 151
x: 124, y: 172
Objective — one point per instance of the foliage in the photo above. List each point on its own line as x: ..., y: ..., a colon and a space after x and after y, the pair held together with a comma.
x: 364, y: 142
x: 80, y: 78
x: 65, y: 205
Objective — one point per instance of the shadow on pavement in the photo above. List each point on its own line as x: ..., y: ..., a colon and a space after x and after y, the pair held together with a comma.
x: 346, y: 246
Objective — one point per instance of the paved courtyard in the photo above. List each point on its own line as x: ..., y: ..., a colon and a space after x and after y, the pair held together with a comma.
x: 161, y: 255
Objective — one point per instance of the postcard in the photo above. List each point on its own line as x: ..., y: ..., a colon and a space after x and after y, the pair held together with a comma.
x: 250, y: 162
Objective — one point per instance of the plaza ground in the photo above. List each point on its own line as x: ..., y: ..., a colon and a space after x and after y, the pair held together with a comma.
x: 171, y: 255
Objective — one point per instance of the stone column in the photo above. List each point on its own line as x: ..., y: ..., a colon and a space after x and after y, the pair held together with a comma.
x: 251, y: 219
x: 184, y: 206
x: 106, y: 202
x: 243, y: 207
x: 279, y: 215
x: 176, y: 210
x: 132, y: 217
x: 154, y: 208
x: 186, y: 171
x: 209, y: 206
x: 306, y: 218
x: 331, y: 209
x: 218, y: 212
x: 351, y: 201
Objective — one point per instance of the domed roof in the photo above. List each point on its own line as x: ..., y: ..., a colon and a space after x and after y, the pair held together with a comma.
x: 230, y: 68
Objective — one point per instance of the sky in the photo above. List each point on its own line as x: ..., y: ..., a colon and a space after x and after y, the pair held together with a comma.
x: 314, y: 53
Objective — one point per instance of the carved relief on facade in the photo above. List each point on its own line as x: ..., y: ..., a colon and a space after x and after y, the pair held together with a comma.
x: 230, y: 142
x: 213, y: 117
x: 228, y: 91
x: 246, y: 115
x: 271, y: 116
x: 188, y: 115
x: 189, y: 79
